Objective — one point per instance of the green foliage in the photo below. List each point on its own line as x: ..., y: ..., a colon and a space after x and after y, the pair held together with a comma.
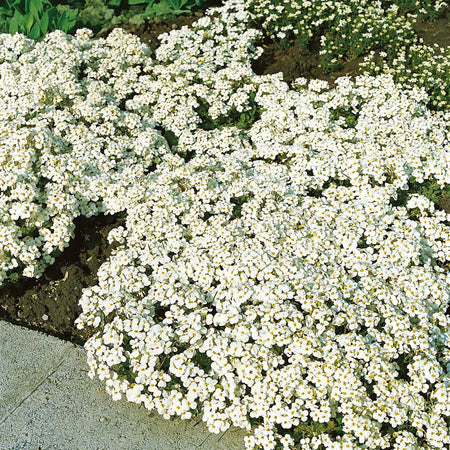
x: 242, y: 120
x: 429, y: 189
x: 100, y: 14
x: 238, y: 202
x: 349, y: 118
x: 168, y: 7
x: 311, y: 428
x: 95, y: 14
x: 35, y: 18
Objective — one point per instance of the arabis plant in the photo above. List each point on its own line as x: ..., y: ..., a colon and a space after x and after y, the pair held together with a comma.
x: 274, y: 275
x: 66, y: 139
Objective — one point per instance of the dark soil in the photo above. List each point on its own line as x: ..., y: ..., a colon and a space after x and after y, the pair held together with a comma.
x: 437, y: 32
x: 50, y: 304
x: 299, y: 61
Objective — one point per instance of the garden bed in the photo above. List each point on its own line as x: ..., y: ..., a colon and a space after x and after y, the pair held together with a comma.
x: 270, y: 253
x: 50, y: 303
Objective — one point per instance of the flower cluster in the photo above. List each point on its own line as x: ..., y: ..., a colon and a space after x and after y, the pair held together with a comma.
x: 268, y: 276
x: 66, y: 139
x: 419, y: 65
x: 269, y: 281
x: 264, y: 276
x: 347, y: 29
x: 359, y: 23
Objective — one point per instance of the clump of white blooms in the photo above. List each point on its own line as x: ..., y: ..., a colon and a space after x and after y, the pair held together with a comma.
x: 416, y: 64
x: 266, y: 276
x: 301, y: 18
x: 350, y: 28
x: 66, y: 141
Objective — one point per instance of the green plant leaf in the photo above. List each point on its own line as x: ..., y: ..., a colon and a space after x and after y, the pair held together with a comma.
x: 136, y: 2
x: 114, y: 2
x: 64, y: 25
x: 5, y: 12
x: 52, y: 16
x: 14, y: 276
x: 61, y: 22
x: 44, y: 23
x: 34, y: 11
x: 13, y: 26
x: 174, y: 4
x: 72, y: 15
x: 162, y: 8
x: 29, y: 19
x: 39, y: 6
x: 18, y: 16
x: 35, y: 32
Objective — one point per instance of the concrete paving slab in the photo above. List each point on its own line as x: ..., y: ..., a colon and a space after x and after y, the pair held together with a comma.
x: 48, y: 402
x: 26, y: 359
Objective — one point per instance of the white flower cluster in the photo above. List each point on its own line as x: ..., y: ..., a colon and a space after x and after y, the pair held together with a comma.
x: 266, y: 277
x: 282, y: 19
x: 417, y: 64
x: 268, y: 281
x: 352, y: 28
x: 66, y: 141
x: 207, y: 64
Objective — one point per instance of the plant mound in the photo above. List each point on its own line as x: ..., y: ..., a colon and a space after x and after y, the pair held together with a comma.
x: 67, y: 144
x: 275, y: 272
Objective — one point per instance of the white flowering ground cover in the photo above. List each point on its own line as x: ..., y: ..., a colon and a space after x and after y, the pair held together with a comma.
x: 267, y: 277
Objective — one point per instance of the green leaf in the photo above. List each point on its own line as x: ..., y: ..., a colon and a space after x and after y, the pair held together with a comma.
x: 64, y: 25
x: 162, y: 8
x: 5, y: 12
x: 114, y: 2
x: 72, y: 15
x: 29, y: 22
x: 136, y: 2
x: 13, y: 26
x: 14, y: 276
x: 52, y: 16
x: 177, y: 5
x: 174, y: 4
x: 35, y: 32
x: 44, y: 23
x: 149, y: 9
x: 61, y: 21
x: 34, y: 11
x: 18, y: 16
x: 39, y: 6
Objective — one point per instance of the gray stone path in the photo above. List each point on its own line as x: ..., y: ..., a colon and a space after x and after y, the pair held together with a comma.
x: 47, y: 401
